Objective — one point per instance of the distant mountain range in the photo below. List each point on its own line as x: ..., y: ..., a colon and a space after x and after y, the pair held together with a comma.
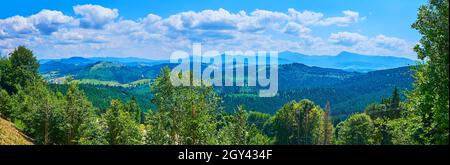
x: 345, y: 61
x: 347, y: 91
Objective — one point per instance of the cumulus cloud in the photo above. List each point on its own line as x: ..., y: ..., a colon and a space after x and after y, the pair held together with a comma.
x: 45, y: 22
x: 296, y: 29
x: 48, y: 21
x: 348, y: 18
x: 95, y: 16
x: 207, y: 20
x: 16, y: 26
x: 97, y: 31
x: 151, y: 19
x: 317, y: 19
x: 390, y: 42
x: 78, y: 36
x: 347, y: 38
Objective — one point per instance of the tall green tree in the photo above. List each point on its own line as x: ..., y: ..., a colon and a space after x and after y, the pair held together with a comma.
x: 133, y: 108
x: 5, y: 104
x: 299, y: 123
x: 93, y: 131
x: 122, y: 129
x: 394, y: 106
x: 429, y: 99
x: 239, y: 131
x: 5, y: 67
x: 240, y: 126
x: 157, y: 132
x: 23, y: 69
x: 356, y: 130
x: 328, y: 126
x: 189, y: 110
x: 41, y: 111
x: 77, y: 111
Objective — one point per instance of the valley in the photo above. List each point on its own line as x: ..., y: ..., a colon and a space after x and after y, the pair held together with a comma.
x: 347, y: 92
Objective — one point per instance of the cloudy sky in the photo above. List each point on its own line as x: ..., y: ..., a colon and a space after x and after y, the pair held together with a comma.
x: 154, y: 29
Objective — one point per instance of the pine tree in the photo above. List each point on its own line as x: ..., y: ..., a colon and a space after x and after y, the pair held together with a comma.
x: 93, y: 131
x: 328, y: 126
x: 133, y: 108
x: 76, y: 112
x: 394, y: 106
x: 121, y: 127
x: 240, y: 126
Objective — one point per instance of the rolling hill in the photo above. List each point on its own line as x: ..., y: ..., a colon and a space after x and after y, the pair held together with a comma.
x: 347, y: 91
x: 346, y: 61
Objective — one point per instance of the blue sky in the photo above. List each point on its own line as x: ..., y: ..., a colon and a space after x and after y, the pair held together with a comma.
x: 153, y: 29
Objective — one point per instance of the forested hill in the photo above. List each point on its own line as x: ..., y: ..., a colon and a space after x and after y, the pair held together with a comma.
x: 346, y: 61
x: 348, y: 92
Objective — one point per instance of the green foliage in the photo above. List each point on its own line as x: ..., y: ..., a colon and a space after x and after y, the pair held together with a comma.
x: 239, y: 130
x: 404, y: 131
x: 102, y: 95
x: 133, y: 108
x: 190, y: 111
x: 23, y: 69
x: 300, y: 123
x: 93, y: 132
x: 41, y: 112
x: 239, y: 126
x: 262, y: 121
x: 5, y: 104
x: 77, y: 111
x: 193, y: 115
x: 388, y: 109
x: 429, y: 99
x: 121, y: 126
x: 5, y: 66
x: 356, y: 130
x: 328, y: 126
x: 157, y: 132
x: 347, y: 92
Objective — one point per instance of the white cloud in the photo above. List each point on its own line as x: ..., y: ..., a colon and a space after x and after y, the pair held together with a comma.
x: 347, y: 38
x: 270, y: 19
x: 207, y: 20
x: 48, y: 21
x: 151, y: 19
x: 78, y: 36
x: 317, y: 19
x: 390, y: 42
x: 348, y: 18
x: 45, y: 22
x: 16, y: 26
x: 95, y: 16
x: 97, y: 31
x: 296, y: 29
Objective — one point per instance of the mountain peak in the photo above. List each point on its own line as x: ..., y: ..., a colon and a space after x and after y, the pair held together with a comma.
x: 105, y: 64
x: 346, y: 53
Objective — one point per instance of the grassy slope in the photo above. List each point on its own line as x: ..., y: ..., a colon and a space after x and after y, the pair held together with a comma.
x: 9, y: 135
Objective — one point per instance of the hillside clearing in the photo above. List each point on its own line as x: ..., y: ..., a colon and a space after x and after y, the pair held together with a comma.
x: 9, y: 135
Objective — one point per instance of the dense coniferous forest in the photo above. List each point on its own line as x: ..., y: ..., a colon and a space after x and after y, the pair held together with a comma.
x: 75, y: 112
